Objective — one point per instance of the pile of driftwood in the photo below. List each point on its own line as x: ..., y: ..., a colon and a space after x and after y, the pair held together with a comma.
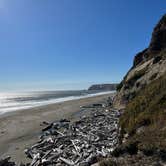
x: 78, y: 143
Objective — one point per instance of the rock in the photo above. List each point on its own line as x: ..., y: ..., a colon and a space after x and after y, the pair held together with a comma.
x: 139, y: 57
x: 158, y: 41
x: 157, y: 44
x: 140, y: 130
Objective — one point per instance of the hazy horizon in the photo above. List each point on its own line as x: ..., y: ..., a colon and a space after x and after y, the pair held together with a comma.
x: 51, y: 87
x: 70, y: 45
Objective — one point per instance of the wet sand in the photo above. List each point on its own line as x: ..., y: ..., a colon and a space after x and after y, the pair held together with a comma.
x: 20, y: 129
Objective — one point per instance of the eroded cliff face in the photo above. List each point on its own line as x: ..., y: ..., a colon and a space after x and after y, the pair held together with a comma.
x: 148, y: 65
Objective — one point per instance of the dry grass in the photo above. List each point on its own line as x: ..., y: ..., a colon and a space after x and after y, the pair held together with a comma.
x: 147, y: 109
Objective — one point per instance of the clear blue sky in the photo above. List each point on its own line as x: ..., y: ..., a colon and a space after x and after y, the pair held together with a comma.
x: 70, y: 44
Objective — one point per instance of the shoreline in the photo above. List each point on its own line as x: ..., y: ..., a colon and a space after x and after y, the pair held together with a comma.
x: 55, y: 101
x: 20, y: 129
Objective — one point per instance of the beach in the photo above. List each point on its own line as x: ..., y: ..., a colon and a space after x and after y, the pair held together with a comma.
x: 20, y: 129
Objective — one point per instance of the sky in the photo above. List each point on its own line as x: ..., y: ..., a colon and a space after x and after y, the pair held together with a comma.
x: 71, y: 44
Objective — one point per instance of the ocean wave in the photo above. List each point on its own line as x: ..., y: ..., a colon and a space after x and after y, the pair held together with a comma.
x: 10, y: 102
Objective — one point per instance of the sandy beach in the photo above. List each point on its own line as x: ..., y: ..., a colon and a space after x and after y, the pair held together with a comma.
x: 20, y: 129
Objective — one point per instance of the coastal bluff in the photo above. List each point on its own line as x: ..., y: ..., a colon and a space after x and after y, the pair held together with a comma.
x: 148, y: 65
x: 141, y: 99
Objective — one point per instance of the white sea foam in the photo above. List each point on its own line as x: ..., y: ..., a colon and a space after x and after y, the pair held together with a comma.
x: 15, y: 101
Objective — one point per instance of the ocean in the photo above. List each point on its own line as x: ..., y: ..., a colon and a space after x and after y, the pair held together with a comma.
x: 24, y: 100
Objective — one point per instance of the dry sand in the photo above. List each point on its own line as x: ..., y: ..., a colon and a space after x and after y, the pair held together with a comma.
x: 20, y: 129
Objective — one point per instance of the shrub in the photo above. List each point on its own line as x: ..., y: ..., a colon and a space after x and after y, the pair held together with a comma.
x: 157, y: 59
x: 119, y: 86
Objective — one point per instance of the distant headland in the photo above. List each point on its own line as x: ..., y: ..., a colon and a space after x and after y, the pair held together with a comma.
x: 103, y: 87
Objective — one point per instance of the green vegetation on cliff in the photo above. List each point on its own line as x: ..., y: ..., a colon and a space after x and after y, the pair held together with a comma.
x: 145, y: 116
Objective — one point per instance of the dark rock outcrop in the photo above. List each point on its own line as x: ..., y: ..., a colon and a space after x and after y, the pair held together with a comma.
x: 139, y: 57
x: 158, y: 41
x: 157, y: 44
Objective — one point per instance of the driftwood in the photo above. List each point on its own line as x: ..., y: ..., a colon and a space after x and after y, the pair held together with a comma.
x: 6, y: 162
x: 77, y: 143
